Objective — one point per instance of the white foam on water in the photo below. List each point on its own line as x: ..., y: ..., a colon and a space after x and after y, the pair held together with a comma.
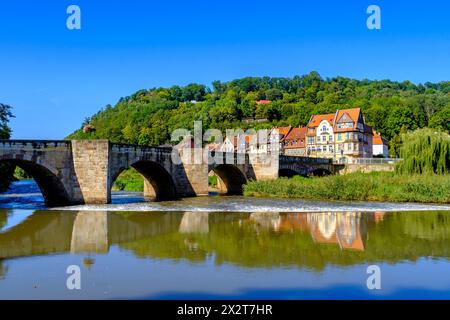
x: 241, y: 204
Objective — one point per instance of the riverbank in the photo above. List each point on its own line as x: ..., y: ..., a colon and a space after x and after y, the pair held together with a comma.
x: 375, y: 186
x: 129, y: 180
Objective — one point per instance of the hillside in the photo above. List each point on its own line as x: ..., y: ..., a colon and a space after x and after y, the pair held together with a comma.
x: 147, y: 117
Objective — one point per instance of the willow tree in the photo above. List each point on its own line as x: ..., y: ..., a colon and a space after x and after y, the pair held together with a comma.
x: 425, y: 151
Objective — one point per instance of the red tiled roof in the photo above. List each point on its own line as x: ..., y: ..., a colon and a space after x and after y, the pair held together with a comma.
x: 283, y: 132
x: 318, y: 118
x: 263, y: 102
x: 353, y: 114
x: 296, y: 134
x: 378, y: 139
x: 315, y: 121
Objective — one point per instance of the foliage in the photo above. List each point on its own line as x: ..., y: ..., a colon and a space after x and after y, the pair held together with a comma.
x: 129, y: 180
x: 5, y: 115
x: 20, y: 174
x: 6, y: 169
x: 212, y: 181
x: 149, y: 116
x: 378, y: 186
x: 425, y: 151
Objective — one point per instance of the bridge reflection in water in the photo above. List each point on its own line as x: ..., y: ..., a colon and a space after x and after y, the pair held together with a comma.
x: 311, y: 240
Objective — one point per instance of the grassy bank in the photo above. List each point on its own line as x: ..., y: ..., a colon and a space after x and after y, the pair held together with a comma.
x: 129, y: 180
x: 375, y: 186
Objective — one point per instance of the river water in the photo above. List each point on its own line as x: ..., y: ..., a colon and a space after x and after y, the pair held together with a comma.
x: 222, y: 247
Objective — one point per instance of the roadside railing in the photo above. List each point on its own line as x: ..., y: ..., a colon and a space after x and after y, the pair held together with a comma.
x: 364, y: 161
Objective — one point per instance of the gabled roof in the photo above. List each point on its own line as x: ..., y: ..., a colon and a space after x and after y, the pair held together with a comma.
x: 378, y: 139
x: 282, y: 132
x: 316, y: 119
x: 296, y: 134
x: 353, y: 115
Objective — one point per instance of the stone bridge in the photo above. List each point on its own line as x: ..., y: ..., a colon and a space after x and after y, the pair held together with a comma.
x: 83, y: 171
x: 305, y: 166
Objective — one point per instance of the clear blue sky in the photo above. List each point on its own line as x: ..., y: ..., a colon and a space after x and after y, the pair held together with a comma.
x: 55, y: 77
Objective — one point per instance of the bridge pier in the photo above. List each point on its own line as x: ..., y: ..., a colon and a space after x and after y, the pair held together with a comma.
x: 91, y: 159
x: 90, y: 233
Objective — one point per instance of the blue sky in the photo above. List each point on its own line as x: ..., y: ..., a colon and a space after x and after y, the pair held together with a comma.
x: 55, y: 77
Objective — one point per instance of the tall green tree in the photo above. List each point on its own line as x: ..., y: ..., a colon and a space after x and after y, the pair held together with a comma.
x: 5, y: 115
x: 6, y: 170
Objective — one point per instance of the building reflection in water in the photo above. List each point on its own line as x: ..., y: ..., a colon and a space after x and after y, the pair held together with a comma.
x: 346, y: 229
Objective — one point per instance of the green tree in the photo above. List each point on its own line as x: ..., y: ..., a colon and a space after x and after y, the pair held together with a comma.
x: 425, y: 151
x: 5, y: 116
x: 6, y: 170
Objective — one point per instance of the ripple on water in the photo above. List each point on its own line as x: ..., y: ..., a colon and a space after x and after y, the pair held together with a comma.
x: 245, y: 204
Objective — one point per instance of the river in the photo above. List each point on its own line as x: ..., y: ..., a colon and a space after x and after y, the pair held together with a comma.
x: 222, y: 247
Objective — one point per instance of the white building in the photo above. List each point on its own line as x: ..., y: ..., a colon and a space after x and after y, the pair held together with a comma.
x: 379, y: 146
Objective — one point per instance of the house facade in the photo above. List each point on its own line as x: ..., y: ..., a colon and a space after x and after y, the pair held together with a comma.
x: 278, y: 135
x: 295, y: 142
x: 320, y: 136
x: 342, y: 136
x: 379, y: 146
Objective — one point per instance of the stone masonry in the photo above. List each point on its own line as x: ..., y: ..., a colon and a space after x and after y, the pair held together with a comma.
x: 83, y: 171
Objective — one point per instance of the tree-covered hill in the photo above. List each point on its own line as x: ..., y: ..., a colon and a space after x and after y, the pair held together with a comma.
x: 149, y: 116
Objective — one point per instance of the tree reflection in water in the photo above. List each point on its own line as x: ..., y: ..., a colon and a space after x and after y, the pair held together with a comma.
x: 309, y: 240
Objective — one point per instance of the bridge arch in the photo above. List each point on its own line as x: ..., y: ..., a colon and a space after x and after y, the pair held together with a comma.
x: 49, y: 182
x: 158, y: 183
x: 289, y: 173
x: 232, y: 177
x: 320, y: 172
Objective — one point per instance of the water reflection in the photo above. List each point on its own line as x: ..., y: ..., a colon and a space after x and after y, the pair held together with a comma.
x: 312, y: 240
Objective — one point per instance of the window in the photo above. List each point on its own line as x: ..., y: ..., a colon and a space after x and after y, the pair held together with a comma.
x: 330, y: 138
x: 339, y: 136
x: 330, y: 148
x: 324, y: 128
x: 324, y: 138
x: 349, y: 146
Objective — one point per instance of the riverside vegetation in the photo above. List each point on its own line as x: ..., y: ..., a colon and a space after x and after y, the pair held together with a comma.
x: 374, y: 186
x: 422, y: 176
